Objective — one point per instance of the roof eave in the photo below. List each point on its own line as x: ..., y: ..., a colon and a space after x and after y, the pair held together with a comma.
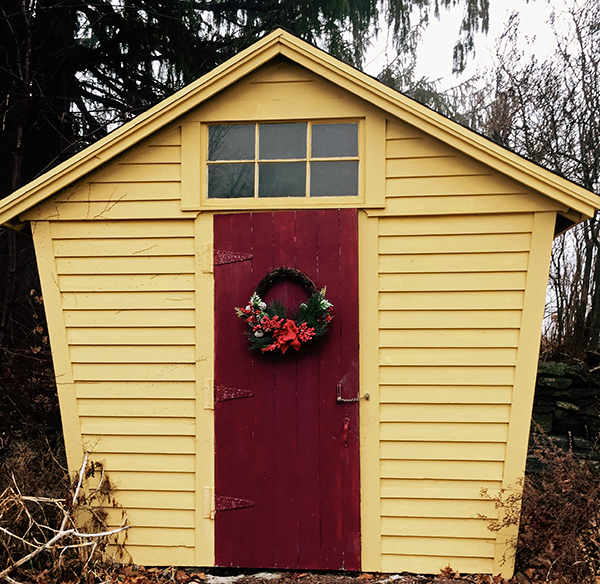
x: 138, y: 128
x: 472, y: 144
x: 280, y: 42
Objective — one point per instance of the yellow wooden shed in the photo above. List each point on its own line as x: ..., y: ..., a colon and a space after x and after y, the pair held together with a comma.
x: 433, y: 244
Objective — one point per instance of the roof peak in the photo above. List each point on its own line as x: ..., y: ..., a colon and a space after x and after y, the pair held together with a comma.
x: 282, y: 42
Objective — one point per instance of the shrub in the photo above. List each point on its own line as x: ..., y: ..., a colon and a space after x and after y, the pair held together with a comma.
x: 54, y: 539
x: 559, y: 533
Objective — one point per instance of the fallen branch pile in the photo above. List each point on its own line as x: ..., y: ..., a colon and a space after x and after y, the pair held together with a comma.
x: 72, y: 549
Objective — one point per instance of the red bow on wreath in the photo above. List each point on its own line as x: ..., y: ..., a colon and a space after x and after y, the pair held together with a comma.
x: 287, y: 336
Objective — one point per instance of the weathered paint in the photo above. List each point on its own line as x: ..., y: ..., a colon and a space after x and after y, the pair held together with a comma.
x: 454, y: 239
x: 288, y: 446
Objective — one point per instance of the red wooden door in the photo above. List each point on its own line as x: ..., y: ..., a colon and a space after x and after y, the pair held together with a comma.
x: 286, y: 452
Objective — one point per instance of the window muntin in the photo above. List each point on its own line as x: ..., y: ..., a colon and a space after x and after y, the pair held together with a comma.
x: 282, y: 160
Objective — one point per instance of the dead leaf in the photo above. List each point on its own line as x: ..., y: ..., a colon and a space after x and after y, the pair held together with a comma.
x: 522, y: 578
x: 366, y: 576
x: 447, y: 572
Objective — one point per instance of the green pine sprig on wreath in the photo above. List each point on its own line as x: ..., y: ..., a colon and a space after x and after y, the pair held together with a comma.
x: 271, y: 329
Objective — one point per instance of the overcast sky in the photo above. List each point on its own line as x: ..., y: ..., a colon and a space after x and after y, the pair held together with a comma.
x: 435, y: 54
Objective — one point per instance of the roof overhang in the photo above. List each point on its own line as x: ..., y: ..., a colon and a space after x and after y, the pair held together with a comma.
x: 579, y: 202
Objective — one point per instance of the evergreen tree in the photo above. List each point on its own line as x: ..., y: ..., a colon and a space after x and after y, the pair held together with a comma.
x: 71, y: 70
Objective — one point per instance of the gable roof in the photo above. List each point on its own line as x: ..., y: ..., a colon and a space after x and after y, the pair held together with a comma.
x: 280, y: 42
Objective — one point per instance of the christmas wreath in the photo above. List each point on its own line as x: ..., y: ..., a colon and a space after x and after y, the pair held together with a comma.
x: 270, y: 327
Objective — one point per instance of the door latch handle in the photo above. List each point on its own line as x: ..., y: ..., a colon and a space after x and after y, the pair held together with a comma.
x: 341, y: 400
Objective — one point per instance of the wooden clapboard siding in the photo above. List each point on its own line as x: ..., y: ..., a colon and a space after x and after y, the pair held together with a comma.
x: 129, y: 310
x: 467, y: 431
x: 443, y: 413
x: 131, y: 247
x: 459, y: 337
x: 127, y: 283
x: 444, y: 281
x: 440, y: 356
x: 123, y: 426
x: 450, y: 301
x: 450, y: 375
x: 159, y: 463
x: 466, y: 243
x: 436, y: 508
x: 172, y: 538
x: 435, y: 527
x: 133, y: 353
x: 428, y: 564
x: 123, y: 318
x: 143, y: 183
x: 474, y: 300
x: 146, y: 300
x: 121, y: 230
x: 148, y: 518
x: 426, y: 177
x: 133, y: 389
x: 163, y: 551
x: 484, y: 470
x: 437, y: 489
x: 133, y: 372
x: 140, y: 444
x: 452, y: 262
x: 446, y: 319
x: 137, y: 264
x: 449, y: 225
x: 442, y: 450
x: 280, y: 91
x: 156, y: 408
x: 469, y: 548
x: 145, y: 499
x: 481, y: 394
x: 117, y: 192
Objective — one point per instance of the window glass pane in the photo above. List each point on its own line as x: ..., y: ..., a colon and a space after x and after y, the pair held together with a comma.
x: 231, y: 142
x: 334, y: 179
x: 277, y: 141
x: 329, y: 140
x: 227, y: 181
x: 282, y: 179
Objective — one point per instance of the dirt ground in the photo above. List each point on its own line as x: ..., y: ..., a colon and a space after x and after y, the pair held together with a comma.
x: 141, y: 575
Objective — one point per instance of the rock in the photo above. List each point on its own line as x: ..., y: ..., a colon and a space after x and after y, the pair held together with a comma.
x: 567, y: 402
x: 543, y: 420
x: 576, y: 373
x: 544, y: 407
x: 567, y: 406
x: 552, y: 369
x: 558, y: 382
x: 582, y: 443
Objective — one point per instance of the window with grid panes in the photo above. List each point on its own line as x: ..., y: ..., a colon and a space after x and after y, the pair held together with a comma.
x: 306, y: 159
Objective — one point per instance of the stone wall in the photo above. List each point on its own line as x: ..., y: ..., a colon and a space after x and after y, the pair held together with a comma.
x: 567, y: 406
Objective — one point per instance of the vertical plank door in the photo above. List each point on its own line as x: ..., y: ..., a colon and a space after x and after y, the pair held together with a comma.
x: 286, y: 452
